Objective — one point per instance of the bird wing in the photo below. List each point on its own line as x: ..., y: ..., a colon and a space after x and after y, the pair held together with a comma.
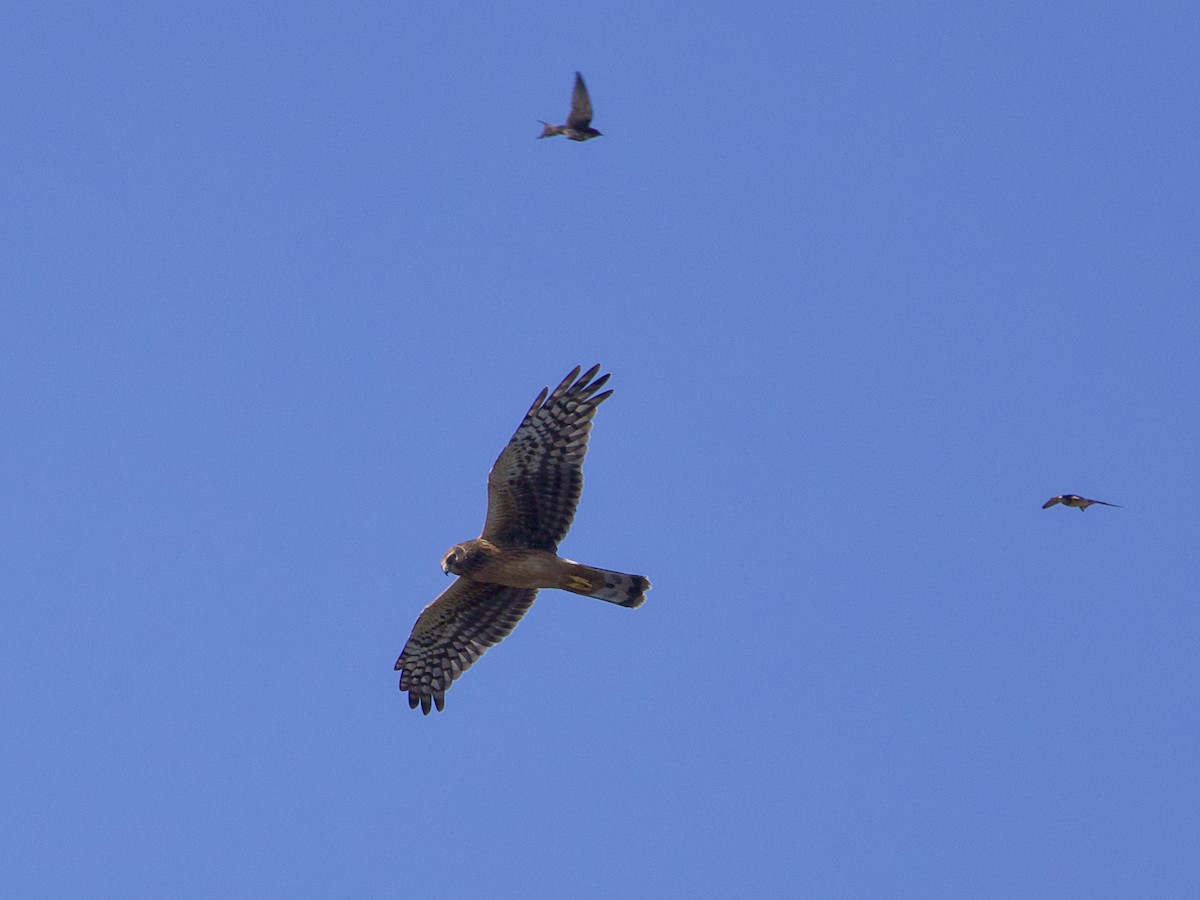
x: 452, y: 632
x: 581, y: 105
x: 1049, y: 503
x: 534, y: 486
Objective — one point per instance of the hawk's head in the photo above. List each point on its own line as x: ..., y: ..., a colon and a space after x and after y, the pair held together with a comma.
x: 460, y: 559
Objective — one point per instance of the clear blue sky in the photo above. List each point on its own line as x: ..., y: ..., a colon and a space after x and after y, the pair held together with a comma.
x: 873, y: 280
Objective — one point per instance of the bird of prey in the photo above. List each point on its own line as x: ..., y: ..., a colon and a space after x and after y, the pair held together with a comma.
x: 579, y: 122
x: 1075, y: 500
x: 533, y: 490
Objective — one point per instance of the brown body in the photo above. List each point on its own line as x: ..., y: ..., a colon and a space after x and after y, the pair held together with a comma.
x: 516, y: 567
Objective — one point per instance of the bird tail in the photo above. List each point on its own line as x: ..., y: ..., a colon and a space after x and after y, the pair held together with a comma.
x: 549, y: 130
x: 615, y: 587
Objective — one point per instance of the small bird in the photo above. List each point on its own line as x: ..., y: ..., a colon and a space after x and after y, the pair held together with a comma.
x: 579, y: 122
x: 1075, y: 500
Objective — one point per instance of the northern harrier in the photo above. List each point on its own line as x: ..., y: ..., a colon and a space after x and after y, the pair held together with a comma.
x: 579, y: 122
x: 1075, y: 500
x: 533, y: 490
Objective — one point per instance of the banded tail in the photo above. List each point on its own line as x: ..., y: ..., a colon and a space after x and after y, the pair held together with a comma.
x: 615, y: 587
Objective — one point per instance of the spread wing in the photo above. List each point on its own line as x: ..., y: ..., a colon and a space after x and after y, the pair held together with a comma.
x: 581, y: 105
x: 1049, y: 503
x: 534, y: 486
x: 452, y: 632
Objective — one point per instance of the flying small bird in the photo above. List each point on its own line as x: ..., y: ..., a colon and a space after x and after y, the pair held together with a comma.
x: 1075, y: 500
x: 579, y: 122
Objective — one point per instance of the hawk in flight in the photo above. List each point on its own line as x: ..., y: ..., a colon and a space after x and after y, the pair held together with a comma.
x: 533, y: 490
x: 579, y: 122
x: 1075, y: 500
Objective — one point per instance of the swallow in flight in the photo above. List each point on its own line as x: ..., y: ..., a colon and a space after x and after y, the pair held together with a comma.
x: 579, y: 122
x: 1075, y: 500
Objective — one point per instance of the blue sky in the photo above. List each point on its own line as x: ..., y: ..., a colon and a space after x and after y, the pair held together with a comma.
x: 873, y: 281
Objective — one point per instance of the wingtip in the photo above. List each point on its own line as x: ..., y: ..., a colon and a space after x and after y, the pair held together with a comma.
x: 427, y: 701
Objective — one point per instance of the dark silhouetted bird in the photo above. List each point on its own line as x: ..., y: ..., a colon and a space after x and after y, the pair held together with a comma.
x: 579, y: 122
x: 1075, y: 500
